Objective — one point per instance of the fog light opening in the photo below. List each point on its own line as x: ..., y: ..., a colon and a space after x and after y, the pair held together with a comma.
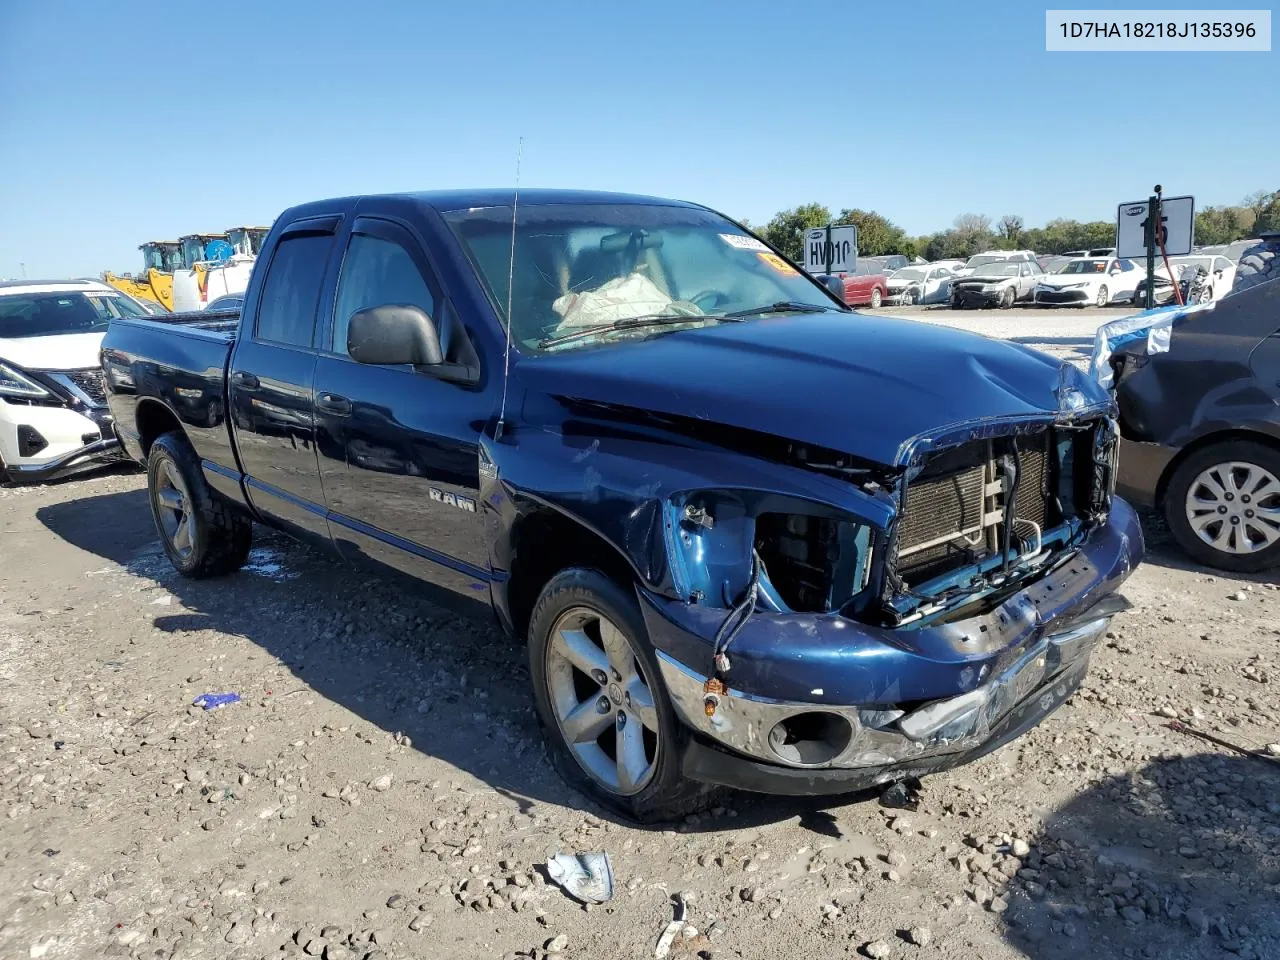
x: 811, y: 738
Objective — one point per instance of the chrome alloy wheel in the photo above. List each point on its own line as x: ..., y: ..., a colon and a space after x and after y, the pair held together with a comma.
x: 602, y: 700
x: 1235, y: 507
x: 175, y: 510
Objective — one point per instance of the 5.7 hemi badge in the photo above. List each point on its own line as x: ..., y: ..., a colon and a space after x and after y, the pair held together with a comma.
x: 443, y: 496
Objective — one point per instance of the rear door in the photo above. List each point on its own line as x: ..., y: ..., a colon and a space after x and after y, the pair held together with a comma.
x: 399, y: 448
x: 271, y: 380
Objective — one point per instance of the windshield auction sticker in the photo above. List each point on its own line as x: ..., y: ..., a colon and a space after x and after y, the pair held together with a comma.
x: 1164, y: 31
x: 775, y: 261
x: 742, y: 243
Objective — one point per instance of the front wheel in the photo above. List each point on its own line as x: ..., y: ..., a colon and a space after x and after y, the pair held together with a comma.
x: 876, y: 299
x: 1223, y: 505
x: 202, y: 534
x: 601, y: 700
x: 1008, y: 297
x: 1104, y: 296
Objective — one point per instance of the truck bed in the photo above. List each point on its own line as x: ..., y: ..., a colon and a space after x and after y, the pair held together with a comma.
x: 215, y: 321
x: 177, y: 362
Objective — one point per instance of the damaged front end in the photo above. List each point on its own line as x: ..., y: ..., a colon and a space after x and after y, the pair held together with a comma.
x: 955, y: 610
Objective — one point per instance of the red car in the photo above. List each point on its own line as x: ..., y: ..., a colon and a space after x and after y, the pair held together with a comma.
x: 866, y: 285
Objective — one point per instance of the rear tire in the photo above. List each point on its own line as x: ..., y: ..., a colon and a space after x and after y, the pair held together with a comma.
x: 203, y: 535
x: 1192, y: 499
x: 585, y: 604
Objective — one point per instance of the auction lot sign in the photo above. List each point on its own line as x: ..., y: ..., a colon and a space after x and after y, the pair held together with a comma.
x: 1176, y: 227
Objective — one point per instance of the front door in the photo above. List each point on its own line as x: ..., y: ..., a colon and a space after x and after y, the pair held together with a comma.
x: 399, y: 449
x: 271, y: 383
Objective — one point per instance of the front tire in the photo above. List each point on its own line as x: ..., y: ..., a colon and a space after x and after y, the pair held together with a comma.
x: 202, y: 534
x: 876, y: 299
x: 1223, y: 505
x: 1008, y: 298
x: 1104, y: 296
x: 601, y: 700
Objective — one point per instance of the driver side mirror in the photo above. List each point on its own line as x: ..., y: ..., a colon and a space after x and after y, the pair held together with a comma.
x: 396, y: 333
x: 402, y: 333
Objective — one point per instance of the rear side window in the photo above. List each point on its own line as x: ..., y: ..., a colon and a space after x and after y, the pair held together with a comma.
x: 291, y: 292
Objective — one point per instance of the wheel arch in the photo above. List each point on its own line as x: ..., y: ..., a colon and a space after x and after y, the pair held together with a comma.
x: 1201, y: 443
x: 154, y: 418
x: 543, y: 542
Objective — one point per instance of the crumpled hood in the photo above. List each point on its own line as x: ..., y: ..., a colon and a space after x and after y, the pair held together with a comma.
x: 67, y: 351
x: 855, y: 383
x: 984, y: 278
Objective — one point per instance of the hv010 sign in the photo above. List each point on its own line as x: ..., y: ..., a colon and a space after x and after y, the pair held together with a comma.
x: 836, y: 246
x: 1176, y: 227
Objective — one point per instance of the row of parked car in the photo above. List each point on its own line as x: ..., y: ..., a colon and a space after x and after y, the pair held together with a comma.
x: 1002, y: 278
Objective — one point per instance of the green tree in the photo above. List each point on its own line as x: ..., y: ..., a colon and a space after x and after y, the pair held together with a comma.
x: 1011, y: 227
x: 877, y: 235
x: 1269, y: 218
x: 786, y: 230
x: 1219, y: 225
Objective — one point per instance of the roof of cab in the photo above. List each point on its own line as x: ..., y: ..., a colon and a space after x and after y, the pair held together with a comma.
x: 446, y: 200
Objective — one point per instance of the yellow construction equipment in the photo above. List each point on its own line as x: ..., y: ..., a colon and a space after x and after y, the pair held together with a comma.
x: 159, y: 259
x: 191, y: 259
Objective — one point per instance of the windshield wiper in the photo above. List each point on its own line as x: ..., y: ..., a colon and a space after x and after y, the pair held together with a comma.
x: 782, y: 306
x: 627, y: 323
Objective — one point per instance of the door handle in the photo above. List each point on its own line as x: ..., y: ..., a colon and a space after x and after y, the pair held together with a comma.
x: 246, y: 380
x: 333, y: 405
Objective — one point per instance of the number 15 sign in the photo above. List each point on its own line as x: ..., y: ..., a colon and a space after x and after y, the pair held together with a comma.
x: 1177, y: 227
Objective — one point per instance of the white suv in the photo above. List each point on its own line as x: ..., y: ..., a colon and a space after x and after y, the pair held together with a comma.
x: 53, y: 402
x: 993, y: 256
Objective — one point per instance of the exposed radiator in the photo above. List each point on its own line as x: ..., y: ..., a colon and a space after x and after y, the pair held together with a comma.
x: 954, y: 514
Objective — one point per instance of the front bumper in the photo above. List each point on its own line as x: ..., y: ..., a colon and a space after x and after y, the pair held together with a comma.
x: 39, y: 443
x: 1061, y: 298
x: 975, y: 297
x: 893, y: 702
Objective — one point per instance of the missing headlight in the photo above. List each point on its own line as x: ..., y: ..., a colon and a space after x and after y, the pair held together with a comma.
x: 816, y: 564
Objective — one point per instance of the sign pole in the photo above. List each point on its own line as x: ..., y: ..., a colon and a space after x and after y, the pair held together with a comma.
x: 1153, y: 219
x: 830, y: 251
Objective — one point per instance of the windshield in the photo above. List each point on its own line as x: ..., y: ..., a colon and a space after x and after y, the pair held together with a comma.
x: 909, y: 273
x: 982, y: 260
x: 1084, y: 266
x: 49, y: 314
x: 577, y: 266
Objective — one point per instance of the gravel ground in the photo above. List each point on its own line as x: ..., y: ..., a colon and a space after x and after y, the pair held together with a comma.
x: 381, y: 789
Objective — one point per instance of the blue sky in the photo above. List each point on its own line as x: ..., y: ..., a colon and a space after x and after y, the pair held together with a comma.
x: 127, y: 121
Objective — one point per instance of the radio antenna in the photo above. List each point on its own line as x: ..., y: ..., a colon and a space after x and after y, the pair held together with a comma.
x: 511, y: 275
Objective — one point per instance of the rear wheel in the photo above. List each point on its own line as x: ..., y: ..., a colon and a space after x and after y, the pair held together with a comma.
x: 1223, y: 505
x: 202, y: 534
x: 600, y: 697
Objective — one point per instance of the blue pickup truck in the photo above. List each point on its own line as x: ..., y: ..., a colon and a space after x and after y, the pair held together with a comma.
x: 750, y: 538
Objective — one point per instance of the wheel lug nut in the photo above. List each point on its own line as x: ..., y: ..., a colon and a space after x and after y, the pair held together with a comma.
x: 1222, y: 509
x: 603, y: 704
x: 1245, y: 498
x: 617, y: 675
x: 1229, y: 497
x: 622, y: 720
x: 1249, y: 514
x: 1235, y: 521
x: 599, y: 677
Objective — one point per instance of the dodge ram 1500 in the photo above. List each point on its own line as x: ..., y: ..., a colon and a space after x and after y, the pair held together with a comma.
x: 750, y: 537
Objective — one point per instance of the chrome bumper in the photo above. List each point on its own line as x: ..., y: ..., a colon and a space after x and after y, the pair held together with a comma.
x: 879, y: 735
